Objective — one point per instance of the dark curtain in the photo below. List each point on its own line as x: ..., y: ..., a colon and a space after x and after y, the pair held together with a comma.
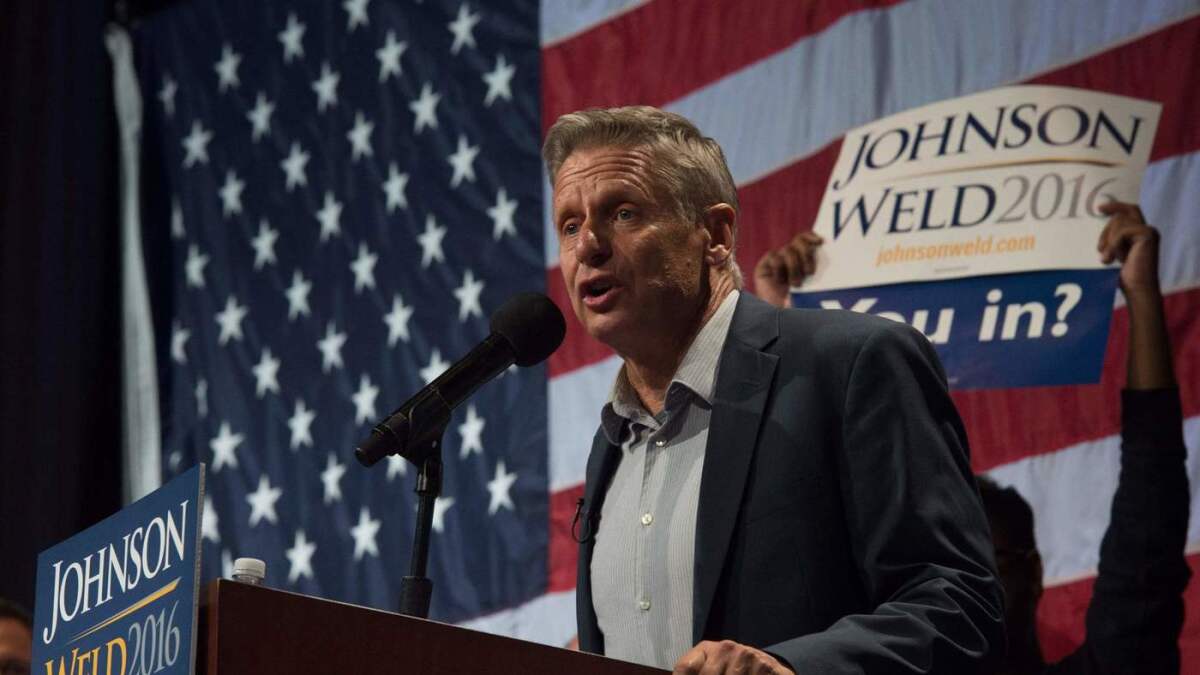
x: 60, y: 316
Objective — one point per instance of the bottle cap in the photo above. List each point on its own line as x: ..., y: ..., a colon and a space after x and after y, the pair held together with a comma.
x: 252, y: 567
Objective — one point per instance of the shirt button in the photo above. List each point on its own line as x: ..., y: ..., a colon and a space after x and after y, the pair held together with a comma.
x: 644, y: 605
x: 647, y: 518
x: 660, y: 442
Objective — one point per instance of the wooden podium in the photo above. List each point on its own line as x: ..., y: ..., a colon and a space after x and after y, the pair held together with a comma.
x: 252, y: 630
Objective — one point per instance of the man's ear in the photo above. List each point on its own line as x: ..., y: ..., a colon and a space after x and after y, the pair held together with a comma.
x: 718, y: 223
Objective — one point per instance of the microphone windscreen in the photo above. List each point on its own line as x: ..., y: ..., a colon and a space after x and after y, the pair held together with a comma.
x: 533, y: 326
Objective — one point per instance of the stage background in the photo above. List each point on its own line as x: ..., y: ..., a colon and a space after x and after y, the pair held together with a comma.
x: 777, y: 83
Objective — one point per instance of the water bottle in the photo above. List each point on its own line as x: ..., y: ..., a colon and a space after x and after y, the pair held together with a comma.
x: 249, y: 571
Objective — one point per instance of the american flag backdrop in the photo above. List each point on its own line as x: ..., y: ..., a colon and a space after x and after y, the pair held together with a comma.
x: 261, y: 184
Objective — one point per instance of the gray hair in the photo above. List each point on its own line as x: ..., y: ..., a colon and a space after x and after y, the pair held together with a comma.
x: 688, y: 165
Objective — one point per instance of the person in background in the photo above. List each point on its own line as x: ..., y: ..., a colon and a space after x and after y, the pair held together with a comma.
x: 1136, y: 612
x: 16, y: 639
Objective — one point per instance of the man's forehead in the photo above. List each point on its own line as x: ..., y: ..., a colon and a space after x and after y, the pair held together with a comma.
x: 605, y: 163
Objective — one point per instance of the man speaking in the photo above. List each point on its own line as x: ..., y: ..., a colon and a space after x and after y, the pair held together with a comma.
x: 770, y: 490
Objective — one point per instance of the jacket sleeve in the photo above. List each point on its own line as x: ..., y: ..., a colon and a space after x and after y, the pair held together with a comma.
x: 919, y: 535
x: 1136, y: 612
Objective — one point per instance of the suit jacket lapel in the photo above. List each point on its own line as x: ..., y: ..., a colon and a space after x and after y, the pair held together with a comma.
x: 743, y: 383
x: 602, y: 463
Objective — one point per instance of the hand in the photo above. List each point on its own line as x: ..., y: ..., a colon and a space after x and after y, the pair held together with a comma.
x: 786, y: 266
x: 1128, y: 239
x: 727, y: 656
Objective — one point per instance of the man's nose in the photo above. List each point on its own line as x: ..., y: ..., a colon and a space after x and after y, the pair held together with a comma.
x: 594, y: 246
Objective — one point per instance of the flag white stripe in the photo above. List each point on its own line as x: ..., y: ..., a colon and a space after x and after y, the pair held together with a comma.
x: 548, y: 619
x: 575, y: 400
x: 805, y: 96
x: 1071, y: 491
x: 563, y: 19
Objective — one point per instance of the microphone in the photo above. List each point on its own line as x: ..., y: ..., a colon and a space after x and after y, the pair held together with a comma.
x: 525, y: 330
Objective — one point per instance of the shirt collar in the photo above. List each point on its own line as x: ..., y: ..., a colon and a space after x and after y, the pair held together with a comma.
x: 697, y: 373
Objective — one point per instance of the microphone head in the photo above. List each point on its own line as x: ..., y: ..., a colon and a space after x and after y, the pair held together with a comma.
x: 532, y: 325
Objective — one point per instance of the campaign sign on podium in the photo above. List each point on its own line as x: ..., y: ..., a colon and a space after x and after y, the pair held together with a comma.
x: 120, y: 598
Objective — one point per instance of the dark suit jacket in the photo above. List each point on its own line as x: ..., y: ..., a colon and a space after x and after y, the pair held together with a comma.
x: 839, y: 526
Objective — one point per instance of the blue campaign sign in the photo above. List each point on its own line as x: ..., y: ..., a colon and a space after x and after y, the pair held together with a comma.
x: 1007, y: 330
x: 120, y: 598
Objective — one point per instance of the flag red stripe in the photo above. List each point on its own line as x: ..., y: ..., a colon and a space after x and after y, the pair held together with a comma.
x: 784, y: 202
x: 563, y: 549
x: 1147, y: 68
x: 665, y: 49
x: 1005, y: 425
x: 1061, y: 619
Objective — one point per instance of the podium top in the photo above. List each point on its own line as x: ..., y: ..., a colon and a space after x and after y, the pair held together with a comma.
x: 251, y: 629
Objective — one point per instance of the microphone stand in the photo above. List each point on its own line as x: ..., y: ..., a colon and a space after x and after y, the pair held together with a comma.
x: 416, y: 588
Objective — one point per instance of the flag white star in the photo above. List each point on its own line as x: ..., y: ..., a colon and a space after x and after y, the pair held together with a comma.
x: 331, y: 479
x: 176, y: 220
x: 425, y: 109
x: 202, y: 398
x: 389, y: 56
x: 262, y: 501
x: 227, y: 68
x: 499, y: 81
x: 260, y: 117
x: 326, y: 88
x: 230, y: 320
x: 264, y: 244
x: 291, y: 38
x: 179, y: 338
x: 223, y: 447
x: 364, y: 400
x: 436, y: 367
x: 471, y: 431
x: 440, y: 506
x: 360, y: 136
x: 297, y: 296
x: 393, y: 187
x: 463, y: 28
x: 363, y: 268
x: 356, y: 11
x: 468, y: 296
x: 300, y: 557
x: 293, y: 165
x: 331, y: 348
x: 397, y: 466
x: 502, y: 215
x: 209, y: 522
x: 329, y: 215
x: 226, y: 564
x: 397, y: 320
x: 463, y: 161
x: 300, y: 424
x: 266, y: 373
x: 364, y: 534
x: 194, y: 266
x: 499, y: 487
x: 167, y: 95
x: 174, y: 460
x: 231, y: 193
x: 196, y: 145
x: 431, y: 242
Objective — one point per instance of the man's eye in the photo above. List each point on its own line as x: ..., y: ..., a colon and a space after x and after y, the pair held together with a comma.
x: 570, y: 227
x: 624, y: 214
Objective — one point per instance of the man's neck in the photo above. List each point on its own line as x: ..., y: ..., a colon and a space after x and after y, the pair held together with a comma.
x: 652, y: 368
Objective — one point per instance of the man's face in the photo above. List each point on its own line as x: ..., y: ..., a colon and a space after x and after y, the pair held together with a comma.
x: 16, y: 645
x: 633, y: 270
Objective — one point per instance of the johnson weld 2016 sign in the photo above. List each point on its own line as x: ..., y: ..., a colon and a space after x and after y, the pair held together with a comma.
x: 1002, y: 183
x: 120, y: 598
